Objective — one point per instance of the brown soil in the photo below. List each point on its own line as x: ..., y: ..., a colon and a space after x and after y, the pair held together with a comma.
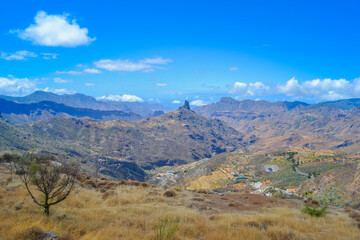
x: 239, y: 202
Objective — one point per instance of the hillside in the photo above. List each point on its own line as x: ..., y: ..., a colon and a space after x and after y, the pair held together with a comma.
x: 130, y: 211
x: 21, y: 113
x: 283, y: 124
x: 13, y: 138
x: 83, y: 101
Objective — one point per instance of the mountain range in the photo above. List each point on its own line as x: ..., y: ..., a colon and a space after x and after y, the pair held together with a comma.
x: 174, y: 138
x: 283, y: 124
x: 80, y: 128
x: 83, y: 101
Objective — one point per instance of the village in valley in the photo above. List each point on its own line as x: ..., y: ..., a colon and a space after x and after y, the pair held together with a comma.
x: 276, y: 174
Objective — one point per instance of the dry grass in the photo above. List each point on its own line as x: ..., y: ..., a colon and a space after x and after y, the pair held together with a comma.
x: 130, y: 212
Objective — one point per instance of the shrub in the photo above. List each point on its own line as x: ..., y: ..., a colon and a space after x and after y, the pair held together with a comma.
x: 165, y: 229
x: 133, y: 183
x: 89, y: 184
x: 144, y: 185
x: 314, y: 211
x: 331, y: 196
x: 111, y: 184
x: 123, y: 182
x: 203, y: 191
x: 170, y: 193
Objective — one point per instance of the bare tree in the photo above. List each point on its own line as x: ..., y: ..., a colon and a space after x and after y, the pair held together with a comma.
x: 53, y: 180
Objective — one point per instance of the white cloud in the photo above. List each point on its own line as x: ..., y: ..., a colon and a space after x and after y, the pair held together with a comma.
x: 121, y: 98
x: 121, y: 65
x: 248, y: 89
x: 157, y: 60
x: 325, y: 89
x: 92, y: 71
x: 198, y: 103
x: 58, y: 91
x: 154, y: 100
x: 48, y: 56
x: 69, y: 72
x: 311, y: 90
x: 87, y: 70
x: 176, y: 101
x: 89, y: 84
x: 147, y: 65
x: 55, y: 31
x: 60, y: 80
x: 16, y: 86
x: 161, y: 84
x: 233, y: 68
x: 19, y: 55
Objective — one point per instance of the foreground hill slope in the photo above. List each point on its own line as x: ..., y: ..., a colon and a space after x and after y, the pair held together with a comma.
x: 278, y: 125
x: 133, y: 212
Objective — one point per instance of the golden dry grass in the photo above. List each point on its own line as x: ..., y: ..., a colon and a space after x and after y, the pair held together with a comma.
x: 130, y: 212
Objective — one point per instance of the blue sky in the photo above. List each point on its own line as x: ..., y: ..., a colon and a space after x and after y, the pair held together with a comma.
x: 168, y: 51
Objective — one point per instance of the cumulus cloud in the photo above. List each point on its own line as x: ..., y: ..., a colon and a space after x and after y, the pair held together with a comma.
x: 233, y: 68
x: 311, y: 90
x: 58, y: 91
x: 248, y: 89
x: 176, y: 101
x: 87, y: 71
x: 12, y: 86
x: 198, y: 103
x: 322, y: 89
x: 121, y: 98
x: 19, y: 55
x: 55, y: 31
x: 60, y: 80
x: 69, y: 72
x: 92, y: 71
x: 161, y: 84
x: 146, y: 65
x: 157, y: 60
x: 48, y: 56
x: 121, y: 65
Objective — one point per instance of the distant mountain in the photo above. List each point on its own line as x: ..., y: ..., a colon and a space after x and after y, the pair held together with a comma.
x: 82, y: 101
x: 283, y: 124
x: 19, y: 113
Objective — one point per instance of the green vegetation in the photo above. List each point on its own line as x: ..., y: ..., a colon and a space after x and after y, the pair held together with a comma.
x: 165, y: 229
x: 318, y: 169
x: 314, y: 211
x: 331, y: 196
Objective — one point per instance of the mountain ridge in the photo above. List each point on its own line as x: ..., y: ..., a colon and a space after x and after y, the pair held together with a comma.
x: 79, y: 100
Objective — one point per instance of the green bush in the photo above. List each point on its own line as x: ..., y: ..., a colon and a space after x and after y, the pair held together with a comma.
x: 331, y: 196
x: 165, y: 229
x: 314, y: 211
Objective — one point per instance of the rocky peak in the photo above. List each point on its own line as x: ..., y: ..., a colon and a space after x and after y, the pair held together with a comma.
x: 186, y: 105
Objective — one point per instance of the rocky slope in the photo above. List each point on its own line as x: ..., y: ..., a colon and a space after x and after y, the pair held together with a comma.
x: 283, y: 124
